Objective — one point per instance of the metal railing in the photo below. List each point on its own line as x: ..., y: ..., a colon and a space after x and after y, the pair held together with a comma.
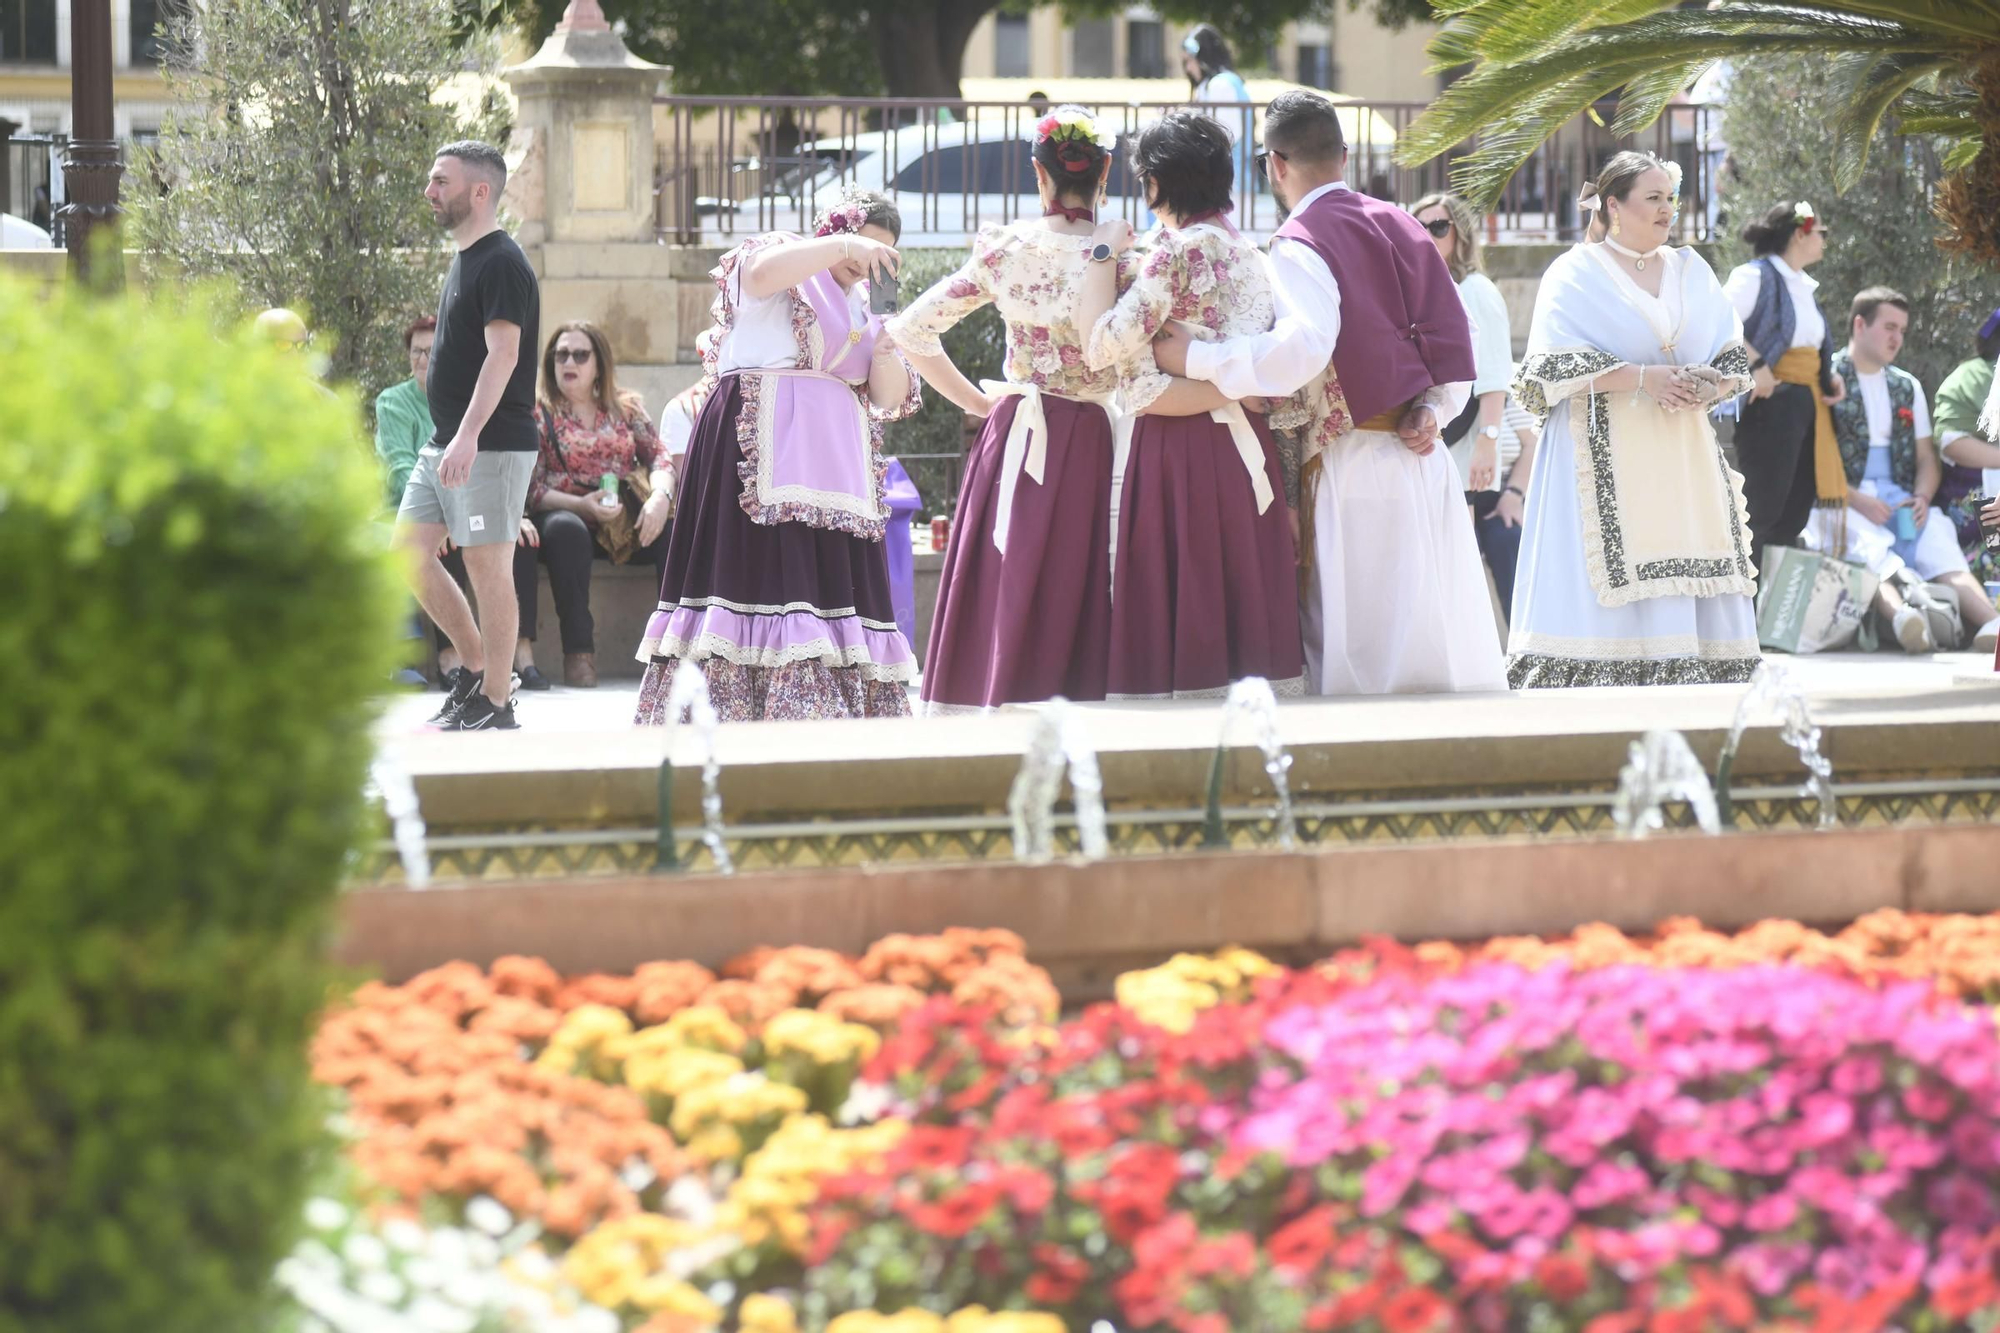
x: 28, y: 161
x: 732, y: 167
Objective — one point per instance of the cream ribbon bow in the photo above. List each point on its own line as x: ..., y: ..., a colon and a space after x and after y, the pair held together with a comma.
x: 1027, y: 446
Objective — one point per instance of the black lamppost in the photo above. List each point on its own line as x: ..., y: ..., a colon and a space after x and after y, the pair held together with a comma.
x: 91, y: 166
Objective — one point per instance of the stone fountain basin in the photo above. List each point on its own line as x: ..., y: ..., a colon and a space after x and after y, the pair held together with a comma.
x: 1088, y: 921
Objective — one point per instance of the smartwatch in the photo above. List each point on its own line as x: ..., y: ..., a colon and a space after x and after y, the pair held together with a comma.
x: 1490, y: 432
x: 1100, y: 252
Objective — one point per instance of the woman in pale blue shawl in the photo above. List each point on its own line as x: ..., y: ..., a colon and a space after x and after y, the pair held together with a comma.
x: 1635, y: 563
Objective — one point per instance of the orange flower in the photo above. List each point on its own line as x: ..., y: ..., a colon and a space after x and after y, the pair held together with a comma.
x: 597, y: 988
x: 664, y: 989
x: 878, y: 1004
x: 526, y: 978
x: 750, y: 1003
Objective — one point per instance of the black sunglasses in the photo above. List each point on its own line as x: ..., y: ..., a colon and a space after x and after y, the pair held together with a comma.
x: 1438, y: 226
x: 576, y: 354
x: 1263, y: 161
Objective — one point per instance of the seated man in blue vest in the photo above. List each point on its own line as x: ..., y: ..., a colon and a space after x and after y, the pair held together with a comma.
x: 1893, y: 472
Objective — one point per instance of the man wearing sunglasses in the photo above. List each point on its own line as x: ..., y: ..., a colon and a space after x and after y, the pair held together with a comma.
x: 1370, y: 323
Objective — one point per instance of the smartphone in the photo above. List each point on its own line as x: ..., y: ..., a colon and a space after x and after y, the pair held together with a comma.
x: 883, y: 293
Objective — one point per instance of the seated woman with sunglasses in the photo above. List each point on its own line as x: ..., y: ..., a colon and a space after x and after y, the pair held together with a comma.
x: 589, y: 430
x: 1205, y: 584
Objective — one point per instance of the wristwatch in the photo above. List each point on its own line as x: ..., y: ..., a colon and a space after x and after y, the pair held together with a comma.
x: 1100, y: 252
x: 1490, y: 432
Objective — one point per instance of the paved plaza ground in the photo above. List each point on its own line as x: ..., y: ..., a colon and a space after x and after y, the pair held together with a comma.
x: 1888, y: 678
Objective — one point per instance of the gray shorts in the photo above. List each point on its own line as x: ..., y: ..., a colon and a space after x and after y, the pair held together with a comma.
x: 486, y: 509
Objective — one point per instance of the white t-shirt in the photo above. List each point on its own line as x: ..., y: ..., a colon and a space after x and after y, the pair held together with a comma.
x: 1875, y: 398
x: 1808, y: 325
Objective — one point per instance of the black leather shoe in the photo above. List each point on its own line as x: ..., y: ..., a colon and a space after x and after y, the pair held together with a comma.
x: 532, y: 678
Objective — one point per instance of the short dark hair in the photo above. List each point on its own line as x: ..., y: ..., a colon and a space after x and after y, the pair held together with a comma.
x: 421, y: 324
x: 483, y: 158
x: 1304, y: 127
x: 1868, y: 303
x: 1190, y: 161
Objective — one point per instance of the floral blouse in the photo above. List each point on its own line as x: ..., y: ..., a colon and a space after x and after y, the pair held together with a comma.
x: 1215, y: 283
x: 1030, y: 275
x: 574, y: 457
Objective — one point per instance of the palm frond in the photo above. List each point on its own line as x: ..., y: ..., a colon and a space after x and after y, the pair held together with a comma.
x: 1681, y: 39
x: 1644, y: 98
x: 1500, y: 30
x: 1866, y: 85
x: 1971, y: 20
x: 1962, y: 154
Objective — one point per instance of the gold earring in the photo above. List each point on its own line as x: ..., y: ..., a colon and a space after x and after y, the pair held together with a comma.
x: 1614, y: 224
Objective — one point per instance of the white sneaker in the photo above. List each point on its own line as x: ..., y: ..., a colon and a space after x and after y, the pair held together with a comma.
x: 1987, y: 639
x: 1913, y: 631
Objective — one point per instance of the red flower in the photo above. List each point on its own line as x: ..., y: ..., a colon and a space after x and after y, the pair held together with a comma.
x: 1413, y: 1310
x: 1060, y: 1277
x: 1046, y: 126
x: 1232, y: 1256
x: 1906, y: 415
x: 1027, y: 1189
x: 955, y: 1214
x: 1563, y: 1278
x: 935, y: 1148
x: 1300, y: 1246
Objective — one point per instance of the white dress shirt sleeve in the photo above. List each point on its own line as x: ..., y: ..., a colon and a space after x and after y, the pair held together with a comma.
x: 1741, y: 288
x: 1492, y: 338
x: 1920, y: 408
x: 1297, y: 347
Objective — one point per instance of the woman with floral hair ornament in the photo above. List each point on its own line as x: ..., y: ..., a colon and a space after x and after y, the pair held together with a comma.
x: 1635, y: 568
x: 1024, y: 607
x: 1784, y: 438
x: 777, y: 583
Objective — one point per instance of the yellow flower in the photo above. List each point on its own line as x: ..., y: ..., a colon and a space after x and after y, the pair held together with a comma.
x: 590, y: 1040
x: 867, y: 1321
x: 678, y: 1070
x: 762, y: 1313
x: 708, y: 1026
x: 819, y: 1037
x: 673, y: 1296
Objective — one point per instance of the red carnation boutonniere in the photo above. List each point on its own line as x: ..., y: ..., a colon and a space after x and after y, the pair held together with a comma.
x: 1907, y: 416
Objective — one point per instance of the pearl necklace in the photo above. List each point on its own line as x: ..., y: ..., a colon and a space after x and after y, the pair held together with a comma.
x: 1638, y: 260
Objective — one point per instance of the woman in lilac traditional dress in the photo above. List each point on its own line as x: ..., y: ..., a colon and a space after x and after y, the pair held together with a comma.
x: 776, y: 582
x: 1206, y: 585
x: 1024, y: 608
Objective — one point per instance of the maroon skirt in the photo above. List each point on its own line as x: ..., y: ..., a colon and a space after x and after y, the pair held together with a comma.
x: 1035, y: 622
x: 1207, y: 587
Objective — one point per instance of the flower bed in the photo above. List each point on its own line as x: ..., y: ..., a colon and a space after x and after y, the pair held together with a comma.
x: 1692, y: 1131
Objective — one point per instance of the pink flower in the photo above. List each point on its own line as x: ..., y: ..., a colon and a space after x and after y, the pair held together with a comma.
x: 1961, y: 1199
x: 1974, y: 1142
x: 1607, y: 1183
x: 1823, y: 1119
x: 1856, y: 1076
x: 1773, y: 1212
x: 1927, y: 1101
x: 1384, y: 1184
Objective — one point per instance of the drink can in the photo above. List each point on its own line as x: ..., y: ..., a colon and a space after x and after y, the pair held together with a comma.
x: 940, y: 533
x: 1906, y: 523
x: 1989, y: 534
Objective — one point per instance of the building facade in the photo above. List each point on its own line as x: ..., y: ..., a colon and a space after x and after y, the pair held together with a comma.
x: 35, y: 63
x: 1343, y: 52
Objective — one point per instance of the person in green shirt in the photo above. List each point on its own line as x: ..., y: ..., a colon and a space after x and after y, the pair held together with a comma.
x: 403, y: 411
x: 1968, y: 451
x: 402, y: 427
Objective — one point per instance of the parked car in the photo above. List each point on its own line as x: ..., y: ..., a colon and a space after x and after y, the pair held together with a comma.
x: 21, y: 234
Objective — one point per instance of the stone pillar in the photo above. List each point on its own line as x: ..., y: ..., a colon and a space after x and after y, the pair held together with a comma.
x: 580, y: 183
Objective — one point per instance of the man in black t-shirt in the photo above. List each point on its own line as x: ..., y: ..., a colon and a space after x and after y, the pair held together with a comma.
x: 470, y: 483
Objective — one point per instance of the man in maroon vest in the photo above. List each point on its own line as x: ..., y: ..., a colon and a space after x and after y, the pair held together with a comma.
x: 1396, y: 598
